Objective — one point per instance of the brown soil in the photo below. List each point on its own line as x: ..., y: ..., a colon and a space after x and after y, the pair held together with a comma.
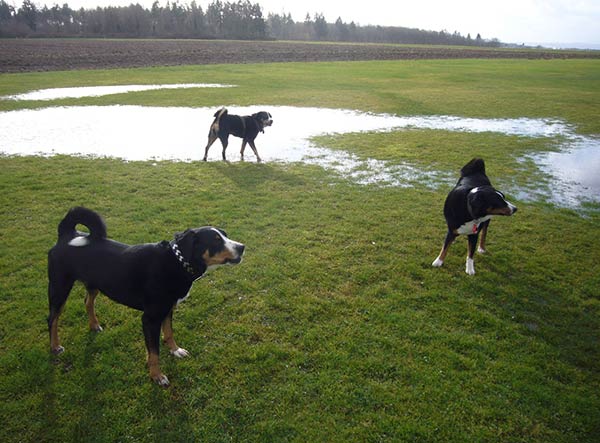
x: 24, y: 55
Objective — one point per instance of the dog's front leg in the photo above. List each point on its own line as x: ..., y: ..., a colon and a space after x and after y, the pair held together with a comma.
x: 253, y: 146
x: 167, y: 327
x: 89, y: 307
x: 151, y: 325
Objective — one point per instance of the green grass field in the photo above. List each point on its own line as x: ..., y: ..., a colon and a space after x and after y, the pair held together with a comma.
x: 335, y: 327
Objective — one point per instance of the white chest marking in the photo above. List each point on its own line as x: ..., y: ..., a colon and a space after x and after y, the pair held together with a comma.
x: 179, y: 300
x: 79, y: 242
x: 471, y: 227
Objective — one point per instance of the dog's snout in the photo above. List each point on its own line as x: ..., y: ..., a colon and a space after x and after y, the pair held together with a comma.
x: 240, y: 249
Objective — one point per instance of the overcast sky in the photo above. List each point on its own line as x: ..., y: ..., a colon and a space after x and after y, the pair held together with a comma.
x: 511, y: 21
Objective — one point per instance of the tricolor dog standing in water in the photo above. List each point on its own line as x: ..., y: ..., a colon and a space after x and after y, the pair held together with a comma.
x: 468, y: 209
x: 247, y: 128
x: 150, y: 277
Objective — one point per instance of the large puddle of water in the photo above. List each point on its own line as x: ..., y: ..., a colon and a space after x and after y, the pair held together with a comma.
x: 98, y: 91
x: 180, y: 134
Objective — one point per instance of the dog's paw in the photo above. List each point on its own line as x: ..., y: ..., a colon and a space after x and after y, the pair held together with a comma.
x: 96, y: 328
x: 437, y: 263
x: 58, y: 351
x: 180, y: 353
x: 481, y: 250
x: 161, y: 380
x: 470, y: 267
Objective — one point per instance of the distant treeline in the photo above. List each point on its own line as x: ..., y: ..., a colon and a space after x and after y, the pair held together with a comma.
x: 240, y: 20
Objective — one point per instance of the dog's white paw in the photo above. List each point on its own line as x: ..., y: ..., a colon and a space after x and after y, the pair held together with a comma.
x: 162, y: 380
x: 470, y: 267
x: 180, y: 353
x: 480, y: 250
x: 437, y: 263
x: 58, y: 350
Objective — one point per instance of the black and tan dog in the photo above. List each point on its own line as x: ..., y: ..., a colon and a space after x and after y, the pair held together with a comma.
x: 468, y: 209
x: 246, y: 127
x: 151, y: 277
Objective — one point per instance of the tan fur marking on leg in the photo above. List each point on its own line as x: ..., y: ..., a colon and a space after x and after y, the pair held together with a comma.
x: 167, y: 327
x: 154, y: 369
x: 443, y: 254
x: 54, y: 340
x: 90, y: 299
x: 482, y: 238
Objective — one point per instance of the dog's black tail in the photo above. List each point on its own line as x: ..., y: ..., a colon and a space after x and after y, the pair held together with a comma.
x: 82, y: 216
x: 475, y: 166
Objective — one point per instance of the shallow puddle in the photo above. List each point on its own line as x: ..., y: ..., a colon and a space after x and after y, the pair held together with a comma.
x: 180, y: 134
x: 98, y: 91
x: 576, y: 171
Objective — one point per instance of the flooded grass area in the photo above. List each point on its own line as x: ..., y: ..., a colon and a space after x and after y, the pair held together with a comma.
x: 179, y: 134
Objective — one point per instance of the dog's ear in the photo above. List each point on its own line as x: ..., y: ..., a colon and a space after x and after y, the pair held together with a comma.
x: 180, y: 235
x: 475, y: 166
x: 185, y: 242
x: 478, y: 204
x: 193, y: 248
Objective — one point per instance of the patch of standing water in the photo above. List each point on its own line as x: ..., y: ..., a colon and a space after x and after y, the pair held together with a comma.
x: 180, y: 134
x: 98, y: 91
x: 575, y: 171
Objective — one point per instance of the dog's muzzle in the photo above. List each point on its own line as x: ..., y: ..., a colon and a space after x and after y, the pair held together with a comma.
x: 237, y: 251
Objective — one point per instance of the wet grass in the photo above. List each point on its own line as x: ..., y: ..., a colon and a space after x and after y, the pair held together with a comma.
x: 474, y: 88
x: 335, y: 327
x: 506, y: 156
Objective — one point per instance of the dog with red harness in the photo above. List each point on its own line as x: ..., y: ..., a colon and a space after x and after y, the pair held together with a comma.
x: 468, y: 209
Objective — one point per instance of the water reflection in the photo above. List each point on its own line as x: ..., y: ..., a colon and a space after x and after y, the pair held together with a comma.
x: 145, y: 133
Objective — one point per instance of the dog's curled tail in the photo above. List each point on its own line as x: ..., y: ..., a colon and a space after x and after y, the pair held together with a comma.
x: 215, y: 125
x: 475, y: 166
x: 220, y: 113
x: 82, y: 216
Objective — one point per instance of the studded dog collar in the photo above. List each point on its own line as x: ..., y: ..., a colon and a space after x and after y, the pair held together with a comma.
x: 186, y: 265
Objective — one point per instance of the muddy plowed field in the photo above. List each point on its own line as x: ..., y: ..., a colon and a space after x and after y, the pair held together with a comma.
x: 23, y: 55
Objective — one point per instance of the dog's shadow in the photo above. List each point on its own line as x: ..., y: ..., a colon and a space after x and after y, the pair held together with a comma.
x: 248, y: 175
x: 95, y: 392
